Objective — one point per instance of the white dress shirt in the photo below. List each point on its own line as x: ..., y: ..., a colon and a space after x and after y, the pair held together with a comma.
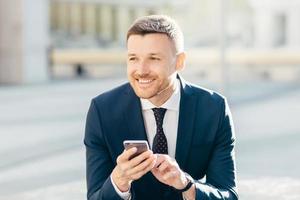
x: 170, y: 126
x: 170, y: 123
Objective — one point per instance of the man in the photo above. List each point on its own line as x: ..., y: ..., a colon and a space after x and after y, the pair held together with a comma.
x: 188, y: 128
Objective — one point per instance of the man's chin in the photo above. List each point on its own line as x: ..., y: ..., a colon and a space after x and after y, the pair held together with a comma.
x: 145, y: 95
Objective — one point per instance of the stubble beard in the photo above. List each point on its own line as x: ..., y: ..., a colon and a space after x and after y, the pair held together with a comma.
x: 158, y: 96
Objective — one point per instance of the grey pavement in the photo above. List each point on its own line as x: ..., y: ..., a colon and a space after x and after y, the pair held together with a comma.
x: 42, y: 126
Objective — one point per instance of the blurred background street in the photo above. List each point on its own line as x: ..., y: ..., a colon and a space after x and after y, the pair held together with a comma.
x: 56, y: 55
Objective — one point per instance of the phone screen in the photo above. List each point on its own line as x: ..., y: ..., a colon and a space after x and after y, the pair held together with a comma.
x: 141, y: 145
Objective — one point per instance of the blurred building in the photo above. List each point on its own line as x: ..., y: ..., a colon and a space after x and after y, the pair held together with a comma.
x: 276, y: 23
x: 30, y: 30
x: 23, y: 41
x: 99, y: 23
x: 104, y: 23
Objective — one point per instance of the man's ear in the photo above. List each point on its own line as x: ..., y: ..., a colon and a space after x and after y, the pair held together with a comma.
x: 180, y: 61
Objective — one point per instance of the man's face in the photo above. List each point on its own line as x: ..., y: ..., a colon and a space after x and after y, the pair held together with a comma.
x: 151, y: 64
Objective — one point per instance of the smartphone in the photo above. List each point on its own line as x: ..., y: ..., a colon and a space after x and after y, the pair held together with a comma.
x: 141, y: 145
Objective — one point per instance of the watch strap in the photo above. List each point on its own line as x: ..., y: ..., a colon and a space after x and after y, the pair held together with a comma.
x: 189, y: 185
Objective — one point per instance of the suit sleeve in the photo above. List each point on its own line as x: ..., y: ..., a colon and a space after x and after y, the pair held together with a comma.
x: 220, y: 176
x: 98, y: 161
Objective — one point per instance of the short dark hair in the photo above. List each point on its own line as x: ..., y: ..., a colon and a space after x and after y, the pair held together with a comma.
x: 158, y: 24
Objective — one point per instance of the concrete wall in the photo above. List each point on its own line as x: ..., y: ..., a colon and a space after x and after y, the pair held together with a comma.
x: 266, y: 21
x: 23, y: 41
x: 10, y: 41
x: 35, y: 40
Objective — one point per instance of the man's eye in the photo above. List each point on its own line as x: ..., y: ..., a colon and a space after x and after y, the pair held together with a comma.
x: 132, y: 58
x: 155, y: 58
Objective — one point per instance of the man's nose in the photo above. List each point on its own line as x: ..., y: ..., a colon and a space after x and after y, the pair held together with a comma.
x: 143, y: 67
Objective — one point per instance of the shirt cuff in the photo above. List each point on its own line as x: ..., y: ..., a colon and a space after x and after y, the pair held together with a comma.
x: 124, y: 195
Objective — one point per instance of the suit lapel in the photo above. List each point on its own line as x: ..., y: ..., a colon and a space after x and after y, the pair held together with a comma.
x: 134, y: 117
x: 186, y: 123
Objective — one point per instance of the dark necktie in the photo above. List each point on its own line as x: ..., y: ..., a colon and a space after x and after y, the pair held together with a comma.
x: 160, y: 144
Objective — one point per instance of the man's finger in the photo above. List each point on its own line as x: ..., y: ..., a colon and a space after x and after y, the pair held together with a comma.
x: 146, y: 169
x: 156, y: 172
x: 163, y: 166
x: 126, y: 154
x: 138, y: 159
x: 146, y: 166
x: 160, y: 158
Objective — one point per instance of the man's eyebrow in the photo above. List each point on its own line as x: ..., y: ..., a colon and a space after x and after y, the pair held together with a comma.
x: 160, y: 54
x: 131, y: 54
x: 155, y: 54
x: 151, y: 54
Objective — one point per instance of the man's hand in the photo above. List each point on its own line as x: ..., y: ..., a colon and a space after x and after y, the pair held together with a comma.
x: 167, y: 171
x: 127, y: 170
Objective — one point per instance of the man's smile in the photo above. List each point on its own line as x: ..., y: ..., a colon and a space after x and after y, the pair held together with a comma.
x: 145, y: 81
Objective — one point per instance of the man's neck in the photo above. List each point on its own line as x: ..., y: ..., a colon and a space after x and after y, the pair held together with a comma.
x: 162, y: 97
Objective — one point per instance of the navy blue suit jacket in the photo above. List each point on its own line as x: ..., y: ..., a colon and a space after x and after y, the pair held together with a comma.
x: 205, y: 144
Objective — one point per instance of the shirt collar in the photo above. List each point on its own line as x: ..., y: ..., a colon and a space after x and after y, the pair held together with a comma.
x: 171, y: 104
